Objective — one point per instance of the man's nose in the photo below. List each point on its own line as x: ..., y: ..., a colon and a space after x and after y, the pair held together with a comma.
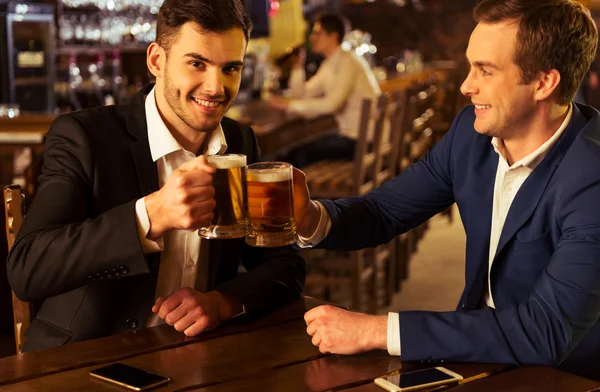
x: 469, y: 86
x: 213, y: 82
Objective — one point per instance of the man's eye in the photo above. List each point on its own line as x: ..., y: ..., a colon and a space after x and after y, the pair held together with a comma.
x: 196, y: 64
x: 232, y: 69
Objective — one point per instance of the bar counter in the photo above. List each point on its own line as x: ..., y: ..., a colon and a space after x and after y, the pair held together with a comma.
x: 28, y: 129
x: 275, y: 130
x: 269, y: 354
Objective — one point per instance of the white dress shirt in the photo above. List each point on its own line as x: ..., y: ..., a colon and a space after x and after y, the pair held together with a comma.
x: 509, y: 179
x: 339, y: 87
x: 180, y: 248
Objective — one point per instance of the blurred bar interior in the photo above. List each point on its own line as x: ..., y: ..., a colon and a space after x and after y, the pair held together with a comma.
x: 63, y: 55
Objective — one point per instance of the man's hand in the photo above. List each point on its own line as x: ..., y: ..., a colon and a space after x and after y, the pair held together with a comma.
x: 339, y: 331
x: 306, y: 212
x: 191, y: 311
x: 186, y: 200
x: 279, y: 103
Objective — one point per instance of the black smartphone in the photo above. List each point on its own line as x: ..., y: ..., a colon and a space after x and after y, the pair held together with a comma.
x: 129, y: 377
x: 419, y: 379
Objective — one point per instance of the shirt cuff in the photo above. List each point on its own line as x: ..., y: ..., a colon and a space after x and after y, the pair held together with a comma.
x: 321, y: 231
x: 393, y: 334
x: 143, y: 226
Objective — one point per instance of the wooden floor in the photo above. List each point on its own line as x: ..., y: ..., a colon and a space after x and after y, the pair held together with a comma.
x: 436, y: 271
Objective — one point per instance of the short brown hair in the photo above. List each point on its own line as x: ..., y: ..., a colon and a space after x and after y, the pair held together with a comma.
x: 553, y: 34
x: 334, y: 23
x: 211, y: 15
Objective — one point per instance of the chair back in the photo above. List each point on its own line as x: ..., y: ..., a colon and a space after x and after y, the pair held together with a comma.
x: 416, y: 127
x: 14, y: 208
x: 367, y: 151
x: 389, y: 147
x: 331, y: 179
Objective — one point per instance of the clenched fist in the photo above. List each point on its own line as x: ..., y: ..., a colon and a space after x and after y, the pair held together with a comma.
x: 186, y: 200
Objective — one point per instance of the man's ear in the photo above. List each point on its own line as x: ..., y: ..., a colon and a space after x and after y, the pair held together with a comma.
x: 156, y: 57
x: 547, y: 83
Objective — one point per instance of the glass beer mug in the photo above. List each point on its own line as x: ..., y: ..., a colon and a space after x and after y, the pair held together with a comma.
x: 270, y: 204
x: 229, y: 181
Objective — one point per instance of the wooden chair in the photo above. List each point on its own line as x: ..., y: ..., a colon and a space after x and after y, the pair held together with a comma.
x: 363, y: 271
x: 387, y: 258
x: 17, y: 200
x: 332, y: 179
x: 415, y: 141
x: 14, y: 203
x: 447, y: 106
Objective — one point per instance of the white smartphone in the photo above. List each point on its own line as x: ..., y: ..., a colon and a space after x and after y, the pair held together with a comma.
x: 419, y: 379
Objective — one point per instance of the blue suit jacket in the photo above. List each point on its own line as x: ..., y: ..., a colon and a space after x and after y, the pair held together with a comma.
x: 546, y: 273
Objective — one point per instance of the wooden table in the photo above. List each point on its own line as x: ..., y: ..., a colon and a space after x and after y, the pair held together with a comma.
x: 270, y: 354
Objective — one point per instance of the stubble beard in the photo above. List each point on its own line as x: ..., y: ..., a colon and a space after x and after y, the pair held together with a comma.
x: 173, y: 97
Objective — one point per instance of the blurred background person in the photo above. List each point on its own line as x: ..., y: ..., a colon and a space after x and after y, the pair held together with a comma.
x: 340, y: 85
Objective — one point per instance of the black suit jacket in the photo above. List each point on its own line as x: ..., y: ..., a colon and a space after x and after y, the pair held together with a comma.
x: 78, y: 250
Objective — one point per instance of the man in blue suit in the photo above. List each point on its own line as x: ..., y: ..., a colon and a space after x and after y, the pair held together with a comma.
x: 523, y: 165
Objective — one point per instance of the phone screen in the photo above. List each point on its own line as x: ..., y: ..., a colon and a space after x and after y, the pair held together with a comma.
x: 128, y: 375
x: 418, y: 377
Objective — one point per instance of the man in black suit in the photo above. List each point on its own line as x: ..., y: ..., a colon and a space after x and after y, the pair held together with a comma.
x: 110, y: 242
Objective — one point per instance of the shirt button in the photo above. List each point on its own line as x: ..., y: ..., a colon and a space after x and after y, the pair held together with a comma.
x: 131, y: 323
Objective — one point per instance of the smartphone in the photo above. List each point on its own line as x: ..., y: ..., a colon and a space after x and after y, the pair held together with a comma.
x: 419, y: 379
x: 129, y: 377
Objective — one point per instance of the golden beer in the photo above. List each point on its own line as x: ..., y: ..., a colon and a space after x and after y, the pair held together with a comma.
x: 229, y: 181
x: 270, y: 204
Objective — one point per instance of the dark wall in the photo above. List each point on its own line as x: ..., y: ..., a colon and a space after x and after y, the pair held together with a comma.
x: 440, y: 32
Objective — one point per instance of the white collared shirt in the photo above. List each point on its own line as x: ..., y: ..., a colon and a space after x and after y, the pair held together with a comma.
x: 508, y: 181
x: 180, y: 248
x: 339, y: 87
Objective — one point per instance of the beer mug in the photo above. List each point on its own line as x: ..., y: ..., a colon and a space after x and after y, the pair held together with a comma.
x: 229, y: 181
x: 270, y: 204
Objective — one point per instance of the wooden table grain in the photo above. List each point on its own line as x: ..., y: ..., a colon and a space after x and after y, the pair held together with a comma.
x: 273, y: 353
x: 531, y: 378
x: 117, y: 347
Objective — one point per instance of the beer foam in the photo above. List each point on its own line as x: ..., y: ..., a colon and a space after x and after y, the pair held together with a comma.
x: 227, y: 161
x: 269, y: 175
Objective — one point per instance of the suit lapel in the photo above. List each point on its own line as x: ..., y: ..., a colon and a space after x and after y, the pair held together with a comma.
x: 145, y: 167
x: 137, y: 127
x: 480, y: 224
x: 533, y: 188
